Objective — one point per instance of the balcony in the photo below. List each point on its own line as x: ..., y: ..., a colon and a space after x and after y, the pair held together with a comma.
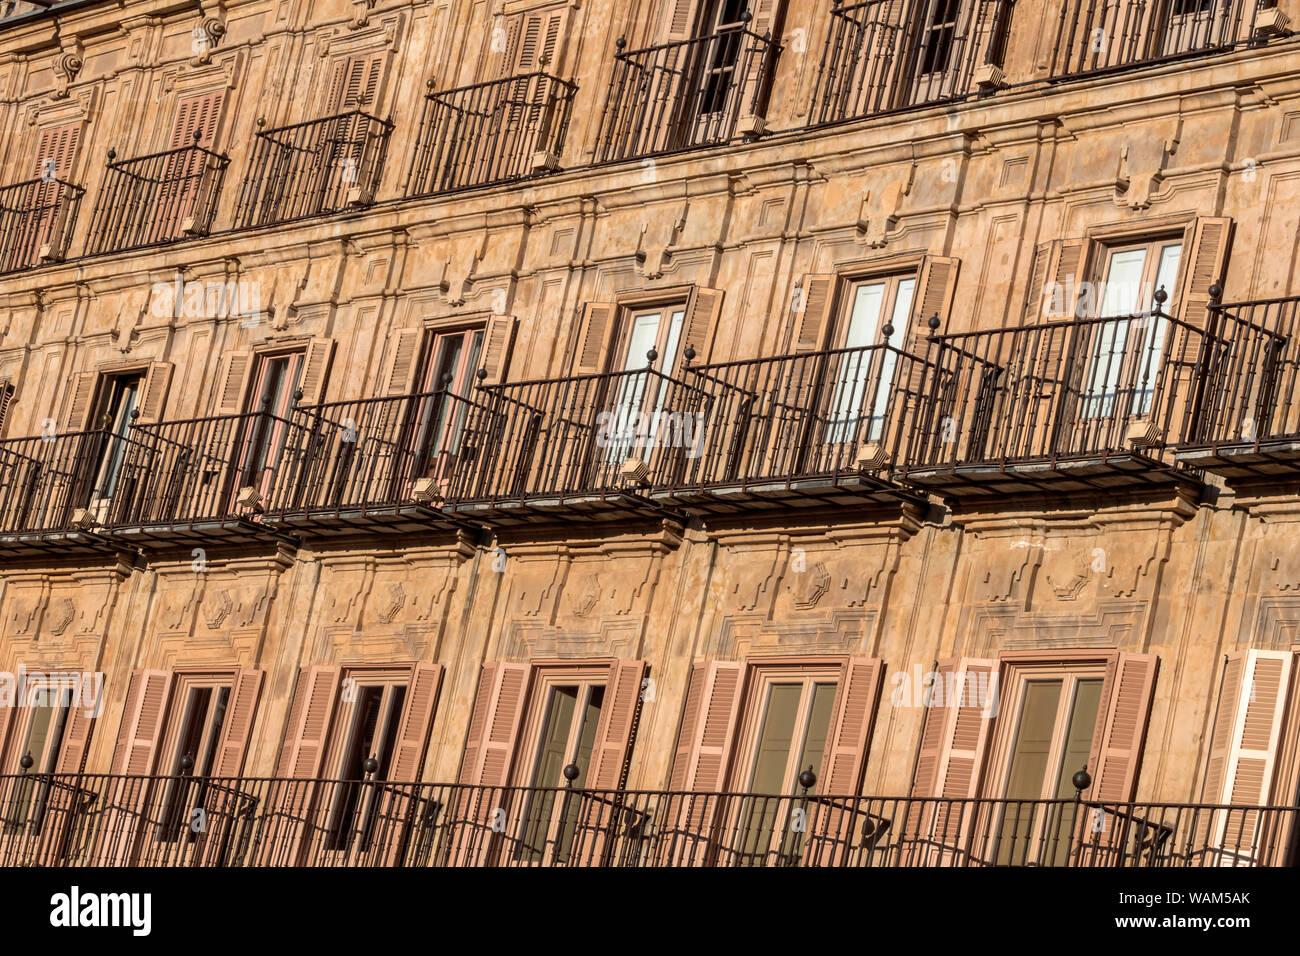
x: 588, y: 444
x: 201, y: 479
x: 495, y: 132
x: 313, y: 168
x: 881, y: 56
x: 1080, y: 405
x: 156, y: 199
x: 686, y: 94
x: 1094, y: 37
x: 1246, y: 424
x: 101, y: 820
x: 377, y: 465
x: 36, y: 222
x: 813, y: 429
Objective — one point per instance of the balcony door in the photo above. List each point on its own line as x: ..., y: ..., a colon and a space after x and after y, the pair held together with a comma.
x: 196, y: 720
x: 27, y: 799
x: 1124, y: 355
x: 440, y: 415
x: 638, y: 396
x: 119, y: 400
x: 790, y: 715
x: 862, y: 376
x: 264, y: 429
x: 1192, y: 25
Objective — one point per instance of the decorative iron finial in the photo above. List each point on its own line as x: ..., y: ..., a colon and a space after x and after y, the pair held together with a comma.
x: 570, y: 772
x: 933, y: 322
x: 187, y: 763
x: 808, y: 779
x: 689, y: 354
x: 888, y: 331
x: 1082, y: 780
x: 26, y: 761
x: 370, y: 765
x: 1216, y: 291
x: 652, y: 356
x: 482, y: 375
x: 620, y: 42
x: 1161, y: 296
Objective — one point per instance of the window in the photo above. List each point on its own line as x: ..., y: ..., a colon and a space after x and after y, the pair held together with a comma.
x: 639, y: 394
x: 722, y: 20
x: 864, y: 375
x: 369, y: 724
x: 43, y: 739
x: 273, y: 396
x: 454, y: 358
x: 1126, y: 354
x: 195, y: 723
x: 120, y: 398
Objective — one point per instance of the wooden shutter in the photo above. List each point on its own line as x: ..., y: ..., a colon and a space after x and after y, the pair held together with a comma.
x: 1122, y: 726
x: 6, y: 402
x: 703, y: 309
x: 355, y: 83
x: 315, y: 371
x: 494, y: 724
x: 764, y: 21
x: 417, y: 718
x: 310, y: 716
x: 594, y: 335
x: 1063, y: 263
x: 677, y: 20
x: 618, y: 719
x: 498, y: 341
x: 76, y: 740
x: 854, y: 717
x: 956, y: 732
x: 401, y: 363
x: 6, y: 721
x: 1205, y: 259
x: 708, y: 725
x: 199, y: 114
x: 813, y: 324
x: 1248, y: 727
x: 81, y: 401
x: 237, y: 729
x: 58, y: 143
x: 935, y: 287
x: 142, y: 722
x: 153, y: 392
x: 232, y: 382
x: 530, y: 38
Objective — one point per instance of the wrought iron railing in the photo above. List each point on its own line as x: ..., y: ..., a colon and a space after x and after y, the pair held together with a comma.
x: 1072, y: 389
x: 827, y: 414
x: 313, y: 168
x: 65, y: 482
x: 377, y: 453
x: 1250, y: 380
x: 883, y: 55
x: 155, y: 199
x: 36, y: 222
x: 102, y: 820
x: 493, y: 132
x: 584, y: 435
x: 685, y: 94
x: 1093, y: 35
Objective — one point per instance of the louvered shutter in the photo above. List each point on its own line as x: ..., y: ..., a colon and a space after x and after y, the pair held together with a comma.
x: 142, y: 723
x: 76, y: 739
x: 708, y: 724
x: 935, y: 288
x: 850, y: 737
x: 397, y: 376
x: 703, y: 309
x: 200, y: 114
x: 417, y: 719
x: 315, y: 371
x: 1205, y: 260
x: 814, y: 321
x: 310, y: 717
x: 494, y: 724
x: 764, y: 20
x: 1122, y: 727
x: 1056, y: 280
x: 6, y: 721
x: 153, y: 392
x: 498, y: 341
x: 232, y: 383
x: 59, y: 144
x: 677, y: 20
x: 237, y: 729
x: 594, y: 335
x: 530, y: 38
x: 354, y: 83
x: 617, y: 722
x: 1244, y: 745
x: 80, y: 405
x: 6, y: 402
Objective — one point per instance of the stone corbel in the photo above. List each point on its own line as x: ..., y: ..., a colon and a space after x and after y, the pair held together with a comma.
x: 880, y: 209
x: 652, y: 254
x: 361, y: 13
x: 210, y: 30
x: 67, y: 64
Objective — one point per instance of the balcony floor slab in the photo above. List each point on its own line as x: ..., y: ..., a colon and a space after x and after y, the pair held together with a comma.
x: 390, y: 519
x: 1056, y: 476
x: 828, y: 492
x: 1246, y: 461
x: 547, y: 509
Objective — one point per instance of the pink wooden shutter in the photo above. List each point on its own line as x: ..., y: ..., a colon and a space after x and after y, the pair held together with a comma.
x: 316, y: 370
x: 850, y: 738
x: 1205, y: 260
x: 494, y: 724
x: 617, y: 725
x: 6, y: 403
x: 58, y: 143
x: 232, y: 383
x: 153, y: 392
x: 594, y: 334
x: 81, y: 399
x: 701, y: 322
x: 708, y: 723
x: 310, y: 717
x: 1122, y: 727
x: 232, y: 748
x: 355, y: 83
x: 199, y: 114
x: 417, y: 719
x: 498, y: 340
x: 936, y: 286
x: 401, y: 362
x: 677, y: 20
x: 813, y: 324
x: 6, y: 720
x: 142, y: 723
x: 76, y: 740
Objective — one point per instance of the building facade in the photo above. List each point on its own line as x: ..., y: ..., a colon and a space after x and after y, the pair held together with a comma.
x: 671, y: 431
